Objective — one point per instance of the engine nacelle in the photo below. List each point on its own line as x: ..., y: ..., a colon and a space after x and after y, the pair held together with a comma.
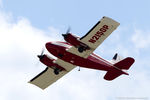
x: 50, y: 62
x: 75, y: 41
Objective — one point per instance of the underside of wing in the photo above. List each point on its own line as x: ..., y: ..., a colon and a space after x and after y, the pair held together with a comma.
x: 96, y: 36
x: 47, y: 77
x: 99, y: 32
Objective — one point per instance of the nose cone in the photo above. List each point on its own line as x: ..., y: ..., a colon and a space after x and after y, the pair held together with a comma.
x: 48, y: 45
x: 52, y: 48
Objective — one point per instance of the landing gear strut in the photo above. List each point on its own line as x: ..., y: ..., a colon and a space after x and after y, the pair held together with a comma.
x: 56, y: 71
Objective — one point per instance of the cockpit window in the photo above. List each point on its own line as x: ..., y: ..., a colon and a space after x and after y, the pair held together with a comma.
x: 62, y: 44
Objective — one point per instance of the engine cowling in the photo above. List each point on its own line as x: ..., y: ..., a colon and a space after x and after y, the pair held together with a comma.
x: 50, y: 62
x: 75, y: 41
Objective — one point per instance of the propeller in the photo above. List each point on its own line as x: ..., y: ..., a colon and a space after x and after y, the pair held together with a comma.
x: 67, y: 32
x: 42, y: 54
x: 40, y: 57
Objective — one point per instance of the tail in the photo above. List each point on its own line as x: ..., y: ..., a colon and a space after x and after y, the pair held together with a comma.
x: 118, y: 68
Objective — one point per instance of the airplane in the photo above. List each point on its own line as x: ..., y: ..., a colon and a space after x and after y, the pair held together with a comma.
x: 79, y: 52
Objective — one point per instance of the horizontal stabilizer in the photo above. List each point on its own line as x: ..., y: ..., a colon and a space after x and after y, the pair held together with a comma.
x: 112, y: 74
x: 125, y: 63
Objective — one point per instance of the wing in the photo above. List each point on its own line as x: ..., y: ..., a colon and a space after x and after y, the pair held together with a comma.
x: 47, y: 77
x: 96, y: 36
x: 99, y: 32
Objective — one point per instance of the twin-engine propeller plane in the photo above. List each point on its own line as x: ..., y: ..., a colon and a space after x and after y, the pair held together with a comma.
x: 79, y: 52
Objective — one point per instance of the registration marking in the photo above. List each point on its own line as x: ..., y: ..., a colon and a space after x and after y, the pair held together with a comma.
x: 99, y: 33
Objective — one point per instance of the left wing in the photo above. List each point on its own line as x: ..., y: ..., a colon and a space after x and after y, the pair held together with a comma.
x: 47, y: 77
x: 96, y: 36
x: 99, y: 32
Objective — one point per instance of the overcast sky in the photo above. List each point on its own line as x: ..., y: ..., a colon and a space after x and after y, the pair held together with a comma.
x: 26, y: 25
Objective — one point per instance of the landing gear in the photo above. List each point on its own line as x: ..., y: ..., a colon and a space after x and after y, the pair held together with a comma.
x: 56, y: 71
x: 79, y: 69
x: 81, y: 49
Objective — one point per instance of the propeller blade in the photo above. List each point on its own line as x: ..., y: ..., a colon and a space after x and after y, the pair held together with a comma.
x: 42, y: 54
x: 68, y: 30
x: 42, y: 51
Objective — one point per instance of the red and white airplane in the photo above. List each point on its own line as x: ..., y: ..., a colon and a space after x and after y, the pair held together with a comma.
x: 79, y: 52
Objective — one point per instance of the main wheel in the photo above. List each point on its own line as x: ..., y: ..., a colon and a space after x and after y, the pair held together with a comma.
x: 80, y: 49
x: 56, y: 71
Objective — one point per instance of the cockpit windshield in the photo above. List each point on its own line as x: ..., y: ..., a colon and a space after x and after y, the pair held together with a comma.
x: 62, y: 44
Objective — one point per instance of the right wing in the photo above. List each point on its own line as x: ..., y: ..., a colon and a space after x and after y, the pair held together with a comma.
x: 47, y: 77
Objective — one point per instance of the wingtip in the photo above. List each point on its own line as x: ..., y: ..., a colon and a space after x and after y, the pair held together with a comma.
x: 36, y: 85
x: 29, y: 82
x: 131, y: 59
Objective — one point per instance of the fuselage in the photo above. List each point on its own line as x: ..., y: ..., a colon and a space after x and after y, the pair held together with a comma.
x: 60, y: 50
